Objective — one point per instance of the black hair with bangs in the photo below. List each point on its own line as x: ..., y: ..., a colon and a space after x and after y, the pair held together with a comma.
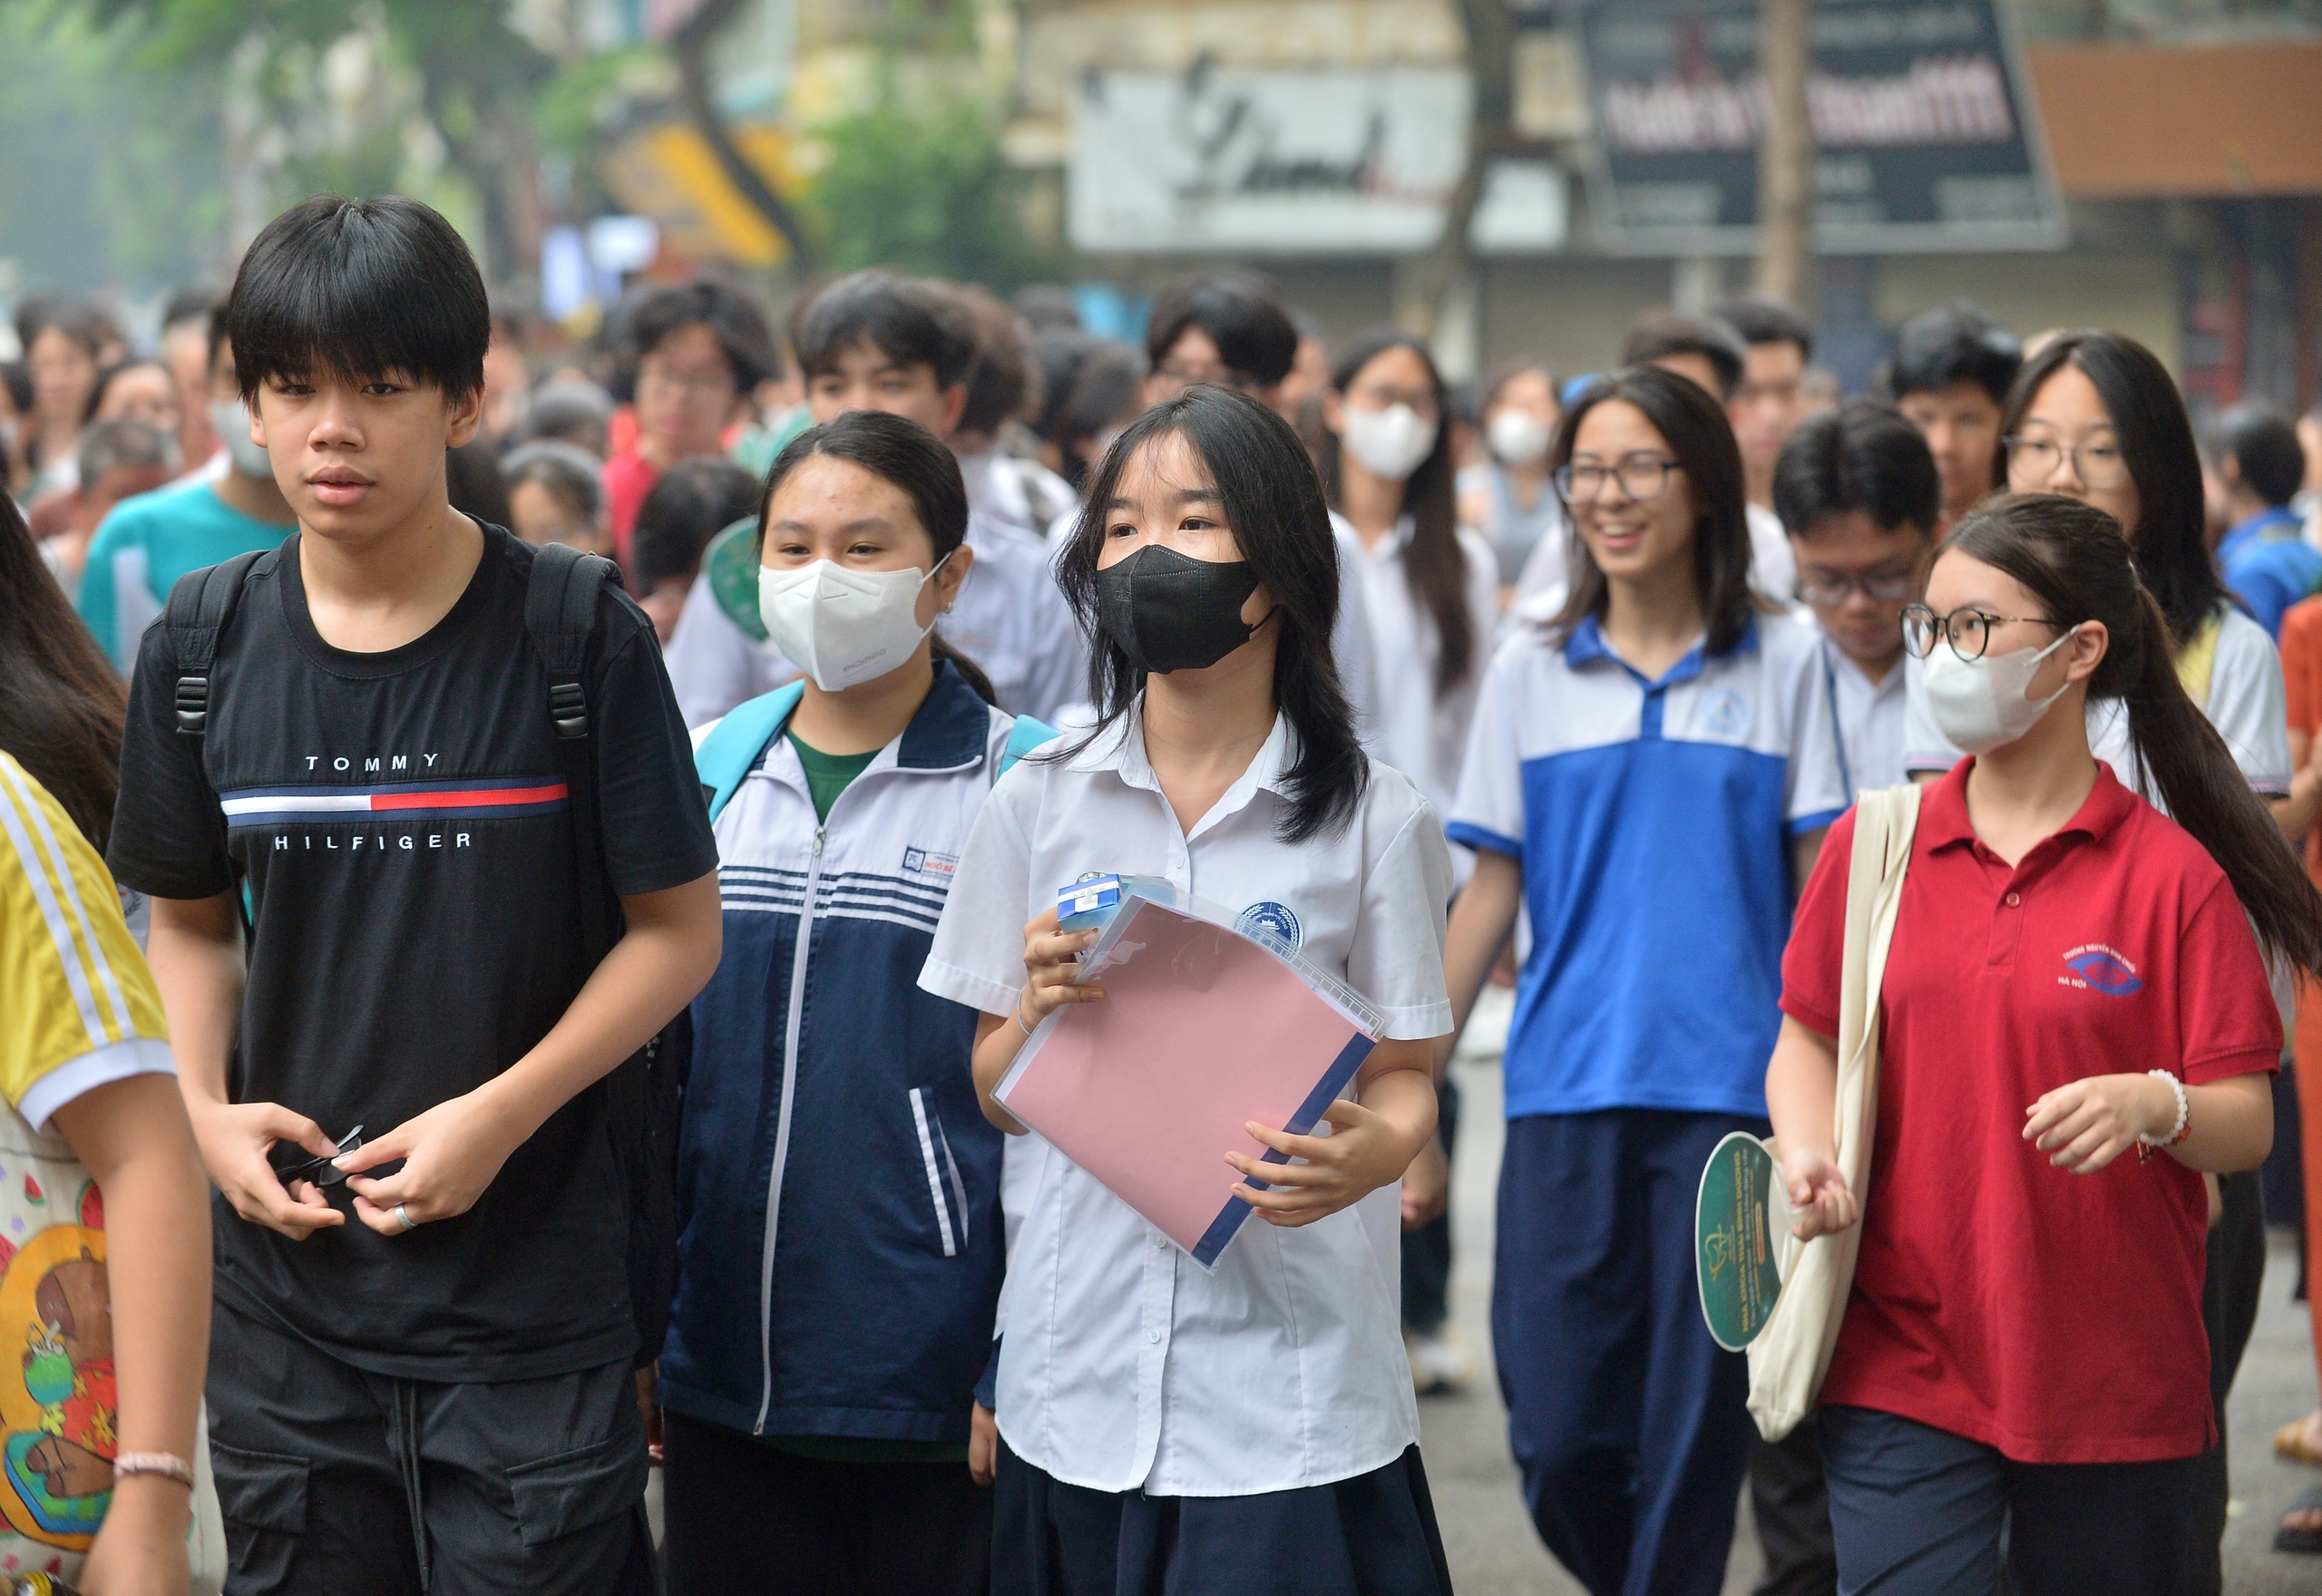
x: 1272, y: 502
x: 1694, y: 424
x: 360, y: 289
x: 910, y: 320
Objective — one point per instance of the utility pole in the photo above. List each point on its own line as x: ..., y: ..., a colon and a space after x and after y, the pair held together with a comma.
x: 1785, y: 154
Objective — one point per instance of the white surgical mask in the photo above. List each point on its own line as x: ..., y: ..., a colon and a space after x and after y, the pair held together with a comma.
x: 1978, y: 705
x: 1517, y: 437
x: 1389, y: 443
x: 231, y: 422
x: 842, y: 627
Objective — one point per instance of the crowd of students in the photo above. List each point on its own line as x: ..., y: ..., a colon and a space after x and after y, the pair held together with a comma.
x: 587, y: 980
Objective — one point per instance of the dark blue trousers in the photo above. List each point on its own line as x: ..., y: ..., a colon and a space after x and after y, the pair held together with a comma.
x: 1627, y: 1421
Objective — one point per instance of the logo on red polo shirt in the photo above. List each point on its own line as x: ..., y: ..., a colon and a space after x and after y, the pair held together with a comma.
x: 2103, y: 969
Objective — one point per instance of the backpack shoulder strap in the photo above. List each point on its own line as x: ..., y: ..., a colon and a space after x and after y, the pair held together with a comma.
x: 1023, y: 737
x: 560, y: 613
x: 200, y: 607
x: 733, y: 747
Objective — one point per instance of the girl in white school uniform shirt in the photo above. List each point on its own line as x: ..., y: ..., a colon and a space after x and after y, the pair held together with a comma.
x: 1165, y: 1427
x: 1430, y: 588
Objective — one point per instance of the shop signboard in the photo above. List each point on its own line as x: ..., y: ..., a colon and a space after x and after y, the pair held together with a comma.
x: 1926, y: 131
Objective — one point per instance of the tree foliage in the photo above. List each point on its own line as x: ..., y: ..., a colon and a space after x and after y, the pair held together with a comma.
x: 923, y: 189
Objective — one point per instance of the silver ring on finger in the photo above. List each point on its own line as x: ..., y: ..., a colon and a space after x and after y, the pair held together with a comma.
x: 403, y: 1218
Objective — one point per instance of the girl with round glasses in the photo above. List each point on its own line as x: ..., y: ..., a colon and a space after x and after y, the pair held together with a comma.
x: 2099, y: 413
x: 2076, y: 1025
x: 1645, y: 774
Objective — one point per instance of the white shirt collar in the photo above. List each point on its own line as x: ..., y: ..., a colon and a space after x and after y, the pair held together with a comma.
x: 1121, y: 749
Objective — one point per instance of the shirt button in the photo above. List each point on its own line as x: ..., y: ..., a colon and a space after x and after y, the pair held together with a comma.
x: 1160, y: 1242
x: 1153, y: 1336
x: 2014, y: 900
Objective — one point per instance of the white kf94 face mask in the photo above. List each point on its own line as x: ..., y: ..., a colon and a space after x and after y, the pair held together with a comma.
x: 843, y: 626
x: 1390, y: 443
x: 1978, y: 705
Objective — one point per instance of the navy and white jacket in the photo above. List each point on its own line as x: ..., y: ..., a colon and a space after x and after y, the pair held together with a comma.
x: 840, y: 1249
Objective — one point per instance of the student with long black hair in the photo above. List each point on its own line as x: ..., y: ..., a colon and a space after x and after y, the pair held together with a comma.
x: 1648, y: 774
x: 1164, y: 1426
x: 1430, y: 595
x: 2094, y: 416
x: 840, y: 1243
x: 2072, y: 978
x: 1430, y: 588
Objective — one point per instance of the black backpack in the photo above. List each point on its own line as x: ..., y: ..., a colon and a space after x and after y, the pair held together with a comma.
x: 645, y: 1094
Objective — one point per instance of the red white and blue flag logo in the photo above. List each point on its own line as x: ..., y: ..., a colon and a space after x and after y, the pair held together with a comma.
x: 492, y: 799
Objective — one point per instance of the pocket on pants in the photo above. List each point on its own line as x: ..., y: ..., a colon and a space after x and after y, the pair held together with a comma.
x: 264, y: 1490
x: 573, y: 1490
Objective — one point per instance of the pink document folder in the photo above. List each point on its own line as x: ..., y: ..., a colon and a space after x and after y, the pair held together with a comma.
x: 1202, y: 1029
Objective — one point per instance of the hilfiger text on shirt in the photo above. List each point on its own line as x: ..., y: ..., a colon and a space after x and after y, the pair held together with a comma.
x: 327, y: 816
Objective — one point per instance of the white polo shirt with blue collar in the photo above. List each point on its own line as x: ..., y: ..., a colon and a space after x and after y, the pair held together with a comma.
x: 1651, y: 820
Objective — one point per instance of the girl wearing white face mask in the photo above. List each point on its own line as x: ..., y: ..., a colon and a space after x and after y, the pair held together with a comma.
x: 841, y: 1248
x: 2073, y: 978
x: 1510, y: 500
x: 1430, y: 597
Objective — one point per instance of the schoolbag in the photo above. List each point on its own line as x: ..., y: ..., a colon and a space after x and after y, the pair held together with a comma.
x: 739, y: 740
x: 645, y: 1094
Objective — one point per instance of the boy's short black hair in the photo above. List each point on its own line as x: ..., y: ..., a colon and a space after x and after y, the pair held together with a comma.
x: 910, y: 320
x: 730, y: 317
x: 1240, y: 312
x: 1002, y: 378
x: 1768, y: 321
x: 1955, y: 344
x: 189, y: 305
x: 693, y: 502
x: 2264, y: 445
x: 360, y: 289
x: 1659, y: 334
x: 1862, y: 456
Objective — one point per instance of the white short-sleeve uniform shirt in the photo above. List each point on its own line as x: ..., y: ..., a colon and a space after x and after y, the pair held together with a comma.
x: 2247, y: 704
x: 1125, y: 1365
x: 1420, y: 732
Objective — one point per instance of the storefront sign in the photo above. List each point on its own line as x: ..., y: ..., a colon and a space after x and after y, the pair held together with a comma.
x: 1327, y: 162
x: 1926, y: 133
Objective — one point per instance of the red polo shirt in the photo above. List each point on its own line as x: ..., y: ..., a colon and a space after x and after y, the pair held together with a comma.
x: 2052, y: 1316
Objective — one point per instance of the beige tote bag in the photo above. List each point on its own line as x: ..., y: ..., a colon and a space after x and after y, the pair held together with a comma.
x: 1791, y: 1355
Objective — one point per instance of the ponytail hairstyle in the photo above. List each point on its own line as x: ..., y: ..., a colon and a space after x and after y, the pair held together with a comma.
x: 2156, y: 439
x: 61, y: 704
x: 1435, y: 565
x: 1274, y: 504
x: 908, y: 457
x: 1692, y: 423
x: 2072, y: 558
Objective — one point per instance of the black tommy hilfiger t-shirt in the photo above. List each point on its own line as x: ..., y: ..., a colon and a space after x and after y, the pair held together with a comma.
x: 402, y: 824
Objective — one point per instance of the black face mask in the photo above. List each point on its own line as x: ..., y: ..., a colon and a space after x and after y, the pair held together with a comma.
x: 1169, y: 612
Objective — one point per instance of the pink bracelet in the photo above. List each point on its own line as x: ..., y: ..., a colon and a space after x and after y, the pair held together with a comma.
x: 167, y: 1463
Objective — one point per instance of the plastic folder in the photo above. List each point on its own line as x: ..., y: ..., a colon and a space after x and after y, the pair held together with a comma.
x: 1204, y: 1027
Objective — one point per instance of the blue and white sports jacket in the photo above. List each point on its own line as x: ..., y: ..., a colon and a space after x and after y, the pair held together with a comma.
x: 840, y: 1246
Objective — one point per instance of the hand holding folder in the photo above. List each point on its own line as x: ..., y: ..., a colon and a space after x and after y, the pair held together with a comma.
x: 1205, y: 1028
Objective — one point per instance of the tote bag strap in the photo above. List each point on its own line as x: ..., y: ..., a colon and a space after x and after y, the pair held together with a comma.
x: 1788, y: 1361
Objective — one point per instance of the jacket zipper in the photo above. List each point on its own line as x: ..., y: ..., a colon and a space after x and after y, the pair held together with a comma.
x: 782, y: 1126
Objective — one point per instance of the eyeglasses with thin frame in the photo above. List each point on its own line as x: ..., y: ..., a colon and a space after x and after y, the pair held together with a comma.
x: 2097, y: 463
x: 1641, y: 477
x: 1967, y: 630
x: 1878, y: 590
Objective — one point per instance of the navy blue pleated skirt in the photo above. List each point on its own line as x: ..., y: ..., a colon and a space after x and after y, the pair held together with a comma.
x: 1371, y: 1535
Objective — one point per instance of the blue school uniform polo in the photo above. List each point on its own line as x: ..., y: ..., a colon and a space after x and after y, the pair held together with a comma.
x: 1651, y: 820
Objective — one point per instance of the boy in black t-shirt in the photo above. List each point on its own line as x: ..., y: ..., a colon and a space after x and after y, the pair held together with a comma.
x: 437, y: 1397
